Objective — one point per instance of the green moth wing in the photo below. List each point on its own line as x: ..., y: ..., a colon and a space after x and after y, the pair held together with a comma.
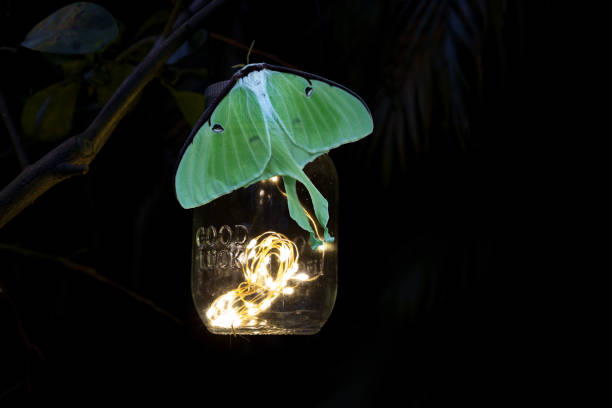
x: 269, y: 121
x: 228, y: 151
x: 317, y: 115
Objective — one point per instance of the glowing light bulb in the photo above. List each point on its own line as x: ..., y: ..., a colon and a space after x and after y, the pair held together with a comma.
x: 326, y: 246
x: 268, y: 242
x: 284, y: 254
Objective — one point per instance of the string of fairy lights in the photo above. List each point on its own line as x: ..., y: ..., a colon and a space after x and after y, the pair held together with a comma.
x: 270, y: 270
x: 263, y: 283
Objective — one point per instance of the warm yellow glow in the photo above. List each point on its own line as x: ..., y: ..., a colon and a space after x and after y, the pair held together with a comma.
x: 325, y: 246
x: 284, y: 254
x: 301, y: 276
x: 262, y: 285
x: 224, y: 314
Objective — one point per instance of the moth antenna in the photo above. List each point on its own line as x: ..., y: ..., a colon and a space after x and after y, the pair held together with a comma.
x: 250, y: 49
x: 248, y: 55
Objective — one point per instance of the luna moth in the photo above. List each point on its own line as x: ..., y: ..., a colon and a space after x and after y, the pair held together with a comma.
x: 269, y: 121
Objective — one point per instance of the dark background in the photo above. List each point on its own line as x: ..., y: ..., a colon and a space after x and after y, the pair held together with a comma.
x: 426, y: 213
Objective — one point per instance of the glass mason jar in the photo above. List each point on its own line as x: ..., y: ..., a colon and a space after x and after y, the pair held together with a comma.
x: 250, y: 228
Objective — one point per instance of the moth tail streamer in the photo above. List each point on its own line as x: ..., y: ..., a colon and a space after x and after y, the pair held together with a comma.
x: 301, y: 216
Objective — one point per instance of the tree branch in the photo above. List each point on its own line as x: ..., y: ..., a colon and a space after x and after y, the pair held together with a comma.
x: 254, y: 51
x: 143, y: 41
x: 92, y: 273
x: 173, y: 16
x: 74, y: 155
x: 10, y: 126
x: 20, y: 327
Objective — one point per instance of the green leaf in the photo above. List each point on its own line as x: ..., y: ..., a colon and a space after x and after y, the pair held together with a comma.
x: 108, y: 78
x: 47, y: 115
x: 191, y: 105
x: 154, y: 24
x: 79, y: 28
x: 75, y: 67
